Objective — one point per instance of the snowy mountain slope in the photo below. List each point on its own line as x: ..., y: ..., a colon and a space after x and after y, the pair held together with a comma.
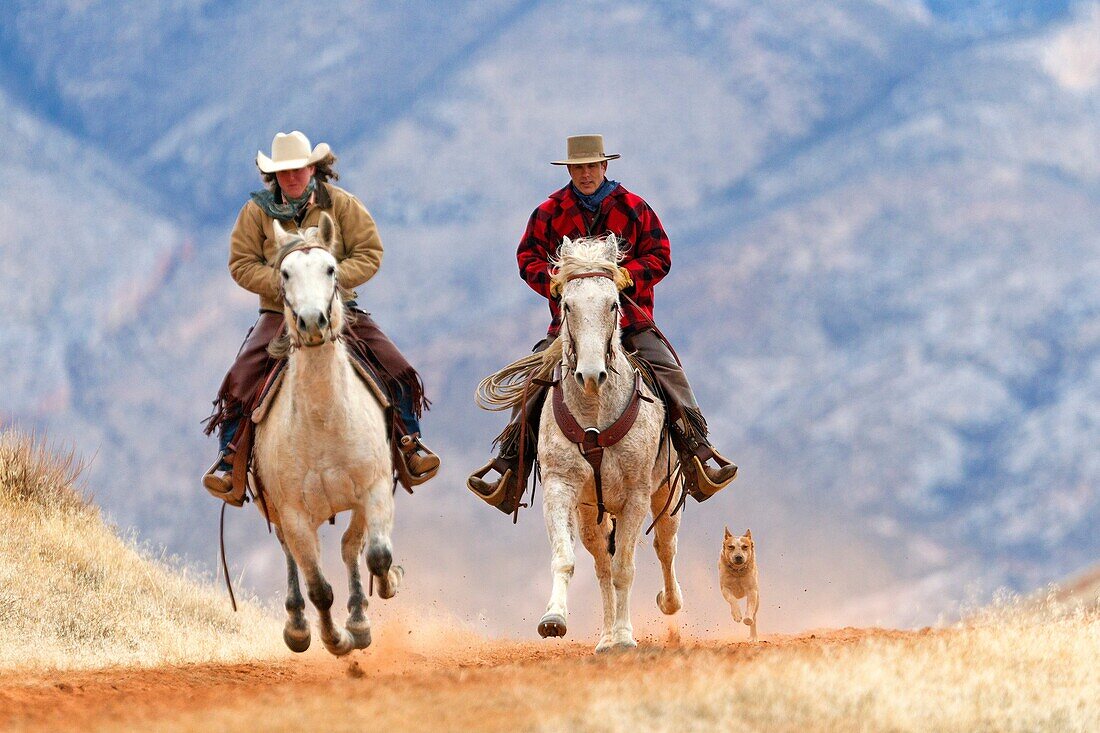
x: 79, y: 259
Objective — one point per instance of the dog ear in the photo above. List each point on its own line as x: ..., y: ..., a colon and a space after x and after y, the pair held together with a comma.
x: 748, y: 534
x: 728, y: 533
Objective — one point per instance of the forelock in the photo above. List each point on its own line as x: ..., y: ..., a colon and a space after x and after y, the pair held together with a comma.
x: 589, y: 254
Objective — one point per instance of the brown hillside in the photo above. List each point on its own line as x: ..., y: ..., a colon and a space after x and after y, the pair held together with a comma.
x: 74, y: 594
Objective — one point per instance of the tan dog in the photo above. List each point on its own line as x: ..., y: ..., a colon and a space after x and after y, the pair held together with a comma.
x: 737, y: 576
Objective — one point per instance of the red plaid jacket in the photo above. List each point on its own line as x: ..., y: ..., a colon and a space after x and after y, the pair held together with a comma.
x: 648, y: 255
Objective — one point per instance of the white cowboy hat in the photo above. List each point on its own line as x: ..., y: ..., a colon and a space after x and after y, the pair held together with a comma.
x: 289, y: 152
x: 584, y: 149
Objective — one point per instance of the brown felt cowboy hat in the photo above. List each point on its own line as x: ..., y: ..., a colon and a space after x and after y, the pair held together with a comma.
x: 584, y: 149
x: 290, y: 151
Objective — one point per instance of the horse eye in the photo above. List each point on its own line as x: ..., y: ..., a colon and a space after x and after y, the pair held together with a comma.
x: 331, y: 270
x: 565, y: 307
x: 614, y: 307
x: 286, y: 275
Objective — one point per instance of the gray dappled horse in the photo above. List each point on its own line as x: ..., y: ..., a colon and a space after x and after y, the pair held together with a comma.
x: 599, y: 389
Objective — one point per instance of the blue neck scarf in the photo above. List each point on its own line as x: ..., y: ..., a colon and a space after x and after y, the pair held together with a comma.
x: 592, y: 201
x: 284, y: 212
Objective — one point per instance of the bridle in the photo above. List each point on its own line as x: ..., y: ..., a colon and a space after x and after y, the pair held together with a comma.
x: 328, y: 334
x: 571, y: 353
x: 592, y: 441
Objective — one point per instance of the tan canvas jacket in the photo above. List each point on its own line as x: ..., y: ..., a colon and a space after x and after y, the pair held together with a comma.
x: 252, y: 247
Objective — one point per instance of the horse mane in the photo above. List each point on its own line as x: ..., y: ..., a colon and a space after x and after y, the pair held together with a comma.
x: 503, y: 389
x: 588, y: 254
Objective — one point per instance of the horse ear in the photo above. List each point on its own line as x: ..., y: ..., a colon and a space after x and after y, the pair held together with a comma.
x: 611, y: 250
x: 327, y: 231
x: 280, y: 234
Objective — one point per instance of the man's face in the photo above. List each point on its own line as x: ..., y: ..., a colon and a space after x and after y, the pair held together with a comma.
x: 293, y: 183
x: 587, y: 177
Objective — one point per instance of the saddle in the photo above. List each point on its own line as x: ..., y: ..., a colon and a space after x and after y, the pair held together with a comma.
x: 243, y: 461
x: 274, y: 381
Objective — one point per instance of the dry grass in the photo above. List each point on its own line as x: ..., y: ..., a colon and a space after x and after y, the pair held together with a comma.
x: 73, y: 594
x: 1013, y: 668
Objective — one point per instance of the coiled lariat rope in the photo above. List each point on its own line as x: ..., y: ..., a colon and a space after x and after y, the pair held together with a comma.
x: 503, y: 390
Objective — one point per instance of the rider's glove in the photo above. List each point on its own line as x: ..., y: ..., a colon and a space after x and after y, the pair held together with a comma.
x: 623, y: 279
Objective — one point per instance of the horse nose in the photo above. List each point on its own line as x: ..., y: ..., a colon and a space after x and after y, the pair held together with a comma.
x: 590, y: 382
x: 302, y: 324
x: 322, y: 321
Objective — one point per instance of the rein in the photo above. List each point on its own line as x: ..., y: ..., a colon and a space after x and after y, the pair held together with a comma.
x: 571, y: 355
x: 670, y: 478
x: 591, y: 441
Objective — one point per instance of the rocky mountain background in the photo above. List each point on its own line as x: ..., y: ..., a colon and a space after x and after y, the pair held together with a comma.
x: 885, y: 217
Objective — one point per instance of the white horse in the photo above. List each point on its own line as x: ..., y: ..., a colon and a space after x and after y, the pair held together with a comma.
x: 322, y: 448
x: 597, y: 385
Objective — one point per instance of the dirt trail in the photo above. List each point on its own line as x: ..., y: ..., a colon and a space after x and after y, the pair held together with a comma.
x: 483, y: 685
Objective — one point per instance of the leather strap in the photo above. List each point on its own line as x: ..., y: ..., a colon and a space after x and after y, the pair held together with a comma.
x: 591, y: 441
x: 653, y: 325
x: 583, y: 275
x: 225, y: 565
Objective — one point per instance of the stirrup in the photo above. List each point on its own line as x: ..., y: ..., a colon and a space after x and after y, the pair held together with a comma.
x: 500, y: 493
x: 699, y: 484
x: 221, y: 486
x: 408, y: 446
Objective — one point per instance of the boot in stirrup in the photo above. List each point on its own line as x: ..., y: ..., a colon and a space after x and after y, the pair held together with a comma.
x: 219, y: 481
x: 709, y: 480
x: 702, y: 480
x: 418, y: 464
x: 496, y: 493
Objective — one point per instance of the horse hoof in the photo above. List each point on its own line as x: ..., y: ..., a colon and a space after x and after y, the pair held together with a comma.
x: 552, y: 624
x: 297, y: 640
x: 359, y: 628
x: 388, y: 588
x: 604, y: 646
x: 343, y: 644
x: 361, y: 639
x: 668, y: 608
